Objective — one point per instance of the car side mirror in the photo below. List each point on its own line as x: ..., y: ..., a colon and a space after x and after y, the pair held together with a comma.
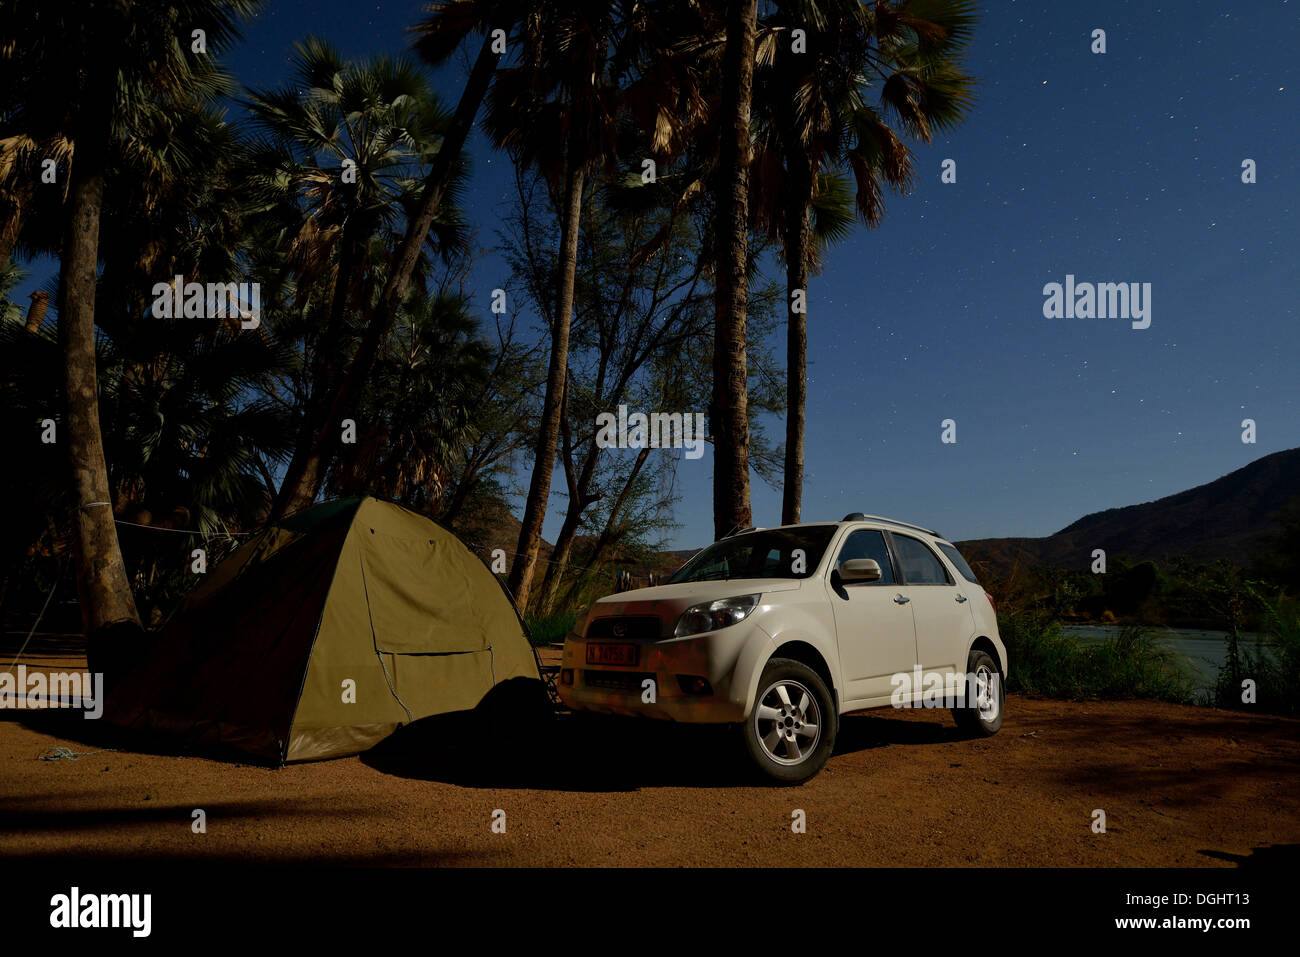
x: 860, y: 570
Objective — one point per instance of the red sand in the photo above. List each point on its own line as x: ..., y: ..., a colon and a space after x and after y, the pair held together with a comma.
x: 1179, y: 786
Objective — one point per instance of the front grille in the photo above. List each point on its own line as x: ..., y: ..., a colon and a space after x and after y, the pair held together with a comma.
x: 616, y: 680
x: 643, y: 628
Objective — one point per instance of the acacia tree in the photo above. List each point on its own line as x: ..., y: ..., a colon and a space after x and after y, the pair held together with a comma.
x: 626, y: 322
x: 505, y: 420
x: 639, y: 337
x: 557, y: 110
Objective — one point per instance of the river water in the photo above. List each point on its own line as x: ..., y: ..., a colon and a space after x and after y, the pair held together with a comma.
x: 1203, y: 652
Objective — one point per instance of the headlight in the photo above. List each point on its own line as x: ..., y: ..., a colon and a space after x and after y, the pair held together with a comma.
x: 712, y: 615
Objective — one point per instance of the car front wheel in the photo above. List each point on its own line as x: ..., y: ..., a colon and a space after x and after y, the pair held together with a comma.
x: 791, y: 731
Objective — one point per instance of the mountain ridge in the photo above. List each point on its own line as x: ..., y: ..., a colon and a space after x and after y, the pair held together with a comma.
x: 1230, y: 517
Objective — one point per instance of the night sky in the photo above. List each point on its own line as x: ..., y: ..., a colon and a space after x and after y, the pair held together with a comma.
x: 1119, y: 167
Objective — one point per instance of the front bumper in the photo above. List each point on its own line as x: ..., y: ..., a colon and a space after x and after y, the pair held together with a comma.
x: 611, y: 689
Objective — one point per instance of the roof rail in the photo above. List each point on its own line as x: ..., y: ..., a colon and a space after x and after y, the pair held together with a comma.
x: 861, y: 517
x: 739, y: 530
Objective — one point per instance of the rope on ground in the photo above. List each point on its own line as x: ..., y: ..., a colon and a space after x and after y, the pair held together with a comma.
x: 61, y: 753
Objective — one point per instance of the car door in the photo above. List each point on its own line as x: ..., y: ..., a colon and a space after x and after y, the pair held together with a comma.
x: 939, y: 609
x: 873, y: 626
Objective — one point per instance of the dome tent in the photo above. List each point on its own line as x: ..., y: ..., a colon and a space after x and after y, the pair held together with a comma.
x: 324, y: 634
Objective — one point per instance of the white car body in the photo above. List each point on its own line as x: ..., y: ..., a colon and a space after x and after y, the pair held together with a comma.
x: 857, y: 636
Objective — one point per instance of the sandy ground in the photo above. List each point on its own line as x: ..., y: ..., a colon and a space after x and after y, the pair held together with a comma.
x: 1178, y: 785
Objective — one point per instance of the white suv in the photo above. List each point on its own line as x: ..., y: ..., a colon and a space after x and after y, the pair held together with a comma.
x: 782, y: 630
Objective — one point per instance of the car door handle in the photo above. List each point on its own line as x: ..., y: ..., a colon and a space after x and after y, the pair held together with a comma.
x: 962, y: 598
x: 901, y: 600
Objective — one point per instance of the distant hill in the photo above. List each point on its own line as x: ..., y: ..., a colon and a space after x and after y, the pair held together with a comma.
x: 1231, y: 517
x: 488, y: 524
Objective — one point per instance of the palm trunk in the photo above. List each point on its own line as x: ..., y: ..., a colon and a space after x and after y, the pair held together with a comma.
x: 539, y: 488
x: 102, y: 585
x: 325, y: 441
x: 728, y: 411
x: 798, y: 229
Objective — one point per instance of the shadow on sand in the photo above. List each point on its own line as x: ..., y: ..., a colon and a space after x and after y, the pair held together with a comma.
x: 540, y: 750
x: 514, y: 739
x: 1271, y: 857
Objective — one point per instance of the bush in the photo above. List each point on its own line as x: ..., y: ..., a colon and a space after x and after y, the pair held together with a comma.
x: 1133, y: 664
x: 1275, y: 671
x: 550, y: 629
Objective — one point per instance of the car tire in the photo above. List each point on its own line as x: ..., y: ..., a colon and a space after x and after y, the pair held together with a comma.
x: 982, y: 717
x: 791, y: 700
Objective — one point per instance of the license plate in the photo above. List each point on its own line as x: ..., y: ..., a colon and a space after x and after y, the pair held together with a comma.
x: 602, y: 654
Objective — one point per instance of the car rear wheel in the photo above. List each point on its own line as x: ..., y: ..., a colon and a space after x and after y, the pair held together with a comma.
x: 982, y: 714
x: 791, y: 731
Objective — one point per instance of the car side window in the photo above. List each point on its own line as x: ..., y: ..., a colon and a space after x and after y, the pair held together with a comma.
x: 920, y: 565
x: 868, y: 543
x: 771, y: 565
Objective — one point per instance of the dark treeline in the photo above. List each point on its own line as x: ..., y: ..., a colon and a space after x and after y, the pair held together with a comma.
x: 266, y: 297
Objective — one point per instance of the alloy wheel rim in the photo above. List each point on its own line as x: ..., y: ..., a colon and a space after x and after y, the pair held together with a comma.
x: 787, y: 722
x: 986, y: 698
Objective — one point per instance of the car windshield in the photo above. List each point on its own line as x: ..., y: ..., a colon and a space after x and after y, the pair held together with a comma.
x: 775, y: 553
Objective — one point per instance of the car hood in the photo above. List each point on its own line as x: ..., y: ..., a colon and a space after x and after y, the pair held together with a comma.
x: 669, y: 601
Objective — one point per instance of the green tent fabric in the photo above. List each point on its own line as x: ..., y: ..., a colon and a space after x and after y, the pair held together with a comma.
x: 324, y: 634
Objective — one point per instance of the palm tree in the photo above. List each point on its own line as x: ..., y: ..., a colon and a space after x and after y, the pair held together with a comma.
x: 347, y: 140
x: 728, y: 408
x: 125, y: 58
x: 815, y: 118
x: 422, y: 396
x: 20, y: 172
x: 29, y: 133
x: 449, y: 23
x: 173, y: 206
x: 184, y: 428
